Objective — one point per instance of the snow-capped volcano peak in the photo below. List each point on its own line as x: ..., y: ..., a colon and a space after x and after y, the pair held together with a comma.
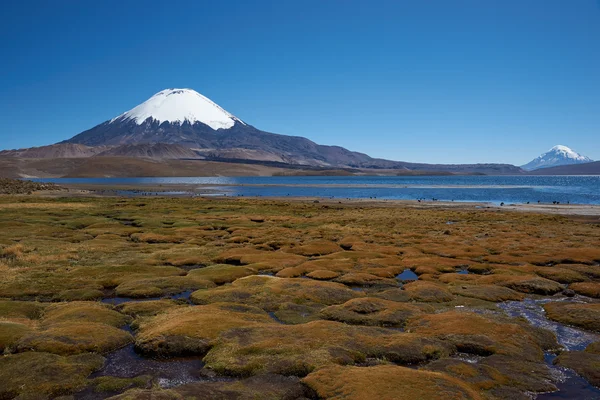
x: 567, y: 152
x: 178, y: 106
x: 558, y: 155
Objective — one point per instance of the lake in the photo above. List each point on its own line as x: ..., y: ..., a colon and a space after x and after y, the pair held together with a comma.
x: 493, y: 189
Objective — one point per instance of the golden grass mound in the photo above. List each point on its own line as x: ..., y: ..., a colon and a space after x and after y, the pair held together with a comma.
x: 371, y: 311
x: 590, y: 289
x: 322, y: 275
x: 37, y: 375
x: 364, y: 279
x: 191, y: 330
x: 476, y: 334
x: 499, y: 376
x: 316, y: 248
x: 386, y: 382
x: 486, y: 292
x: 275, y: 260
x: 10, y: 333
x: 222, y: 273
x: 83, y: 311
x: 264, y: 387
x: 75, y: 337
x: 300, y: 349
x: 157, y: 287
x: 146, y: 308
x: 270, y: 293
x: 585, y: 363
x: 428, y: 292
x: 582, y: 315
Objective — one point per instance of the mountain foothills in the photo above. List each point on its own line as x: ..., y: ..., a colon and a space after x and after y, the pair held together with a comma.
x: 555, y: 157
x: 183, y: 127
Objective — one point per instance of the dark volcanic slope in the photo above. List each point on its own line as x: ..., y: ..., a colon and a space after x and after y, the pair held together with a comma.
x: 292, y: 149
x: 592, y: 168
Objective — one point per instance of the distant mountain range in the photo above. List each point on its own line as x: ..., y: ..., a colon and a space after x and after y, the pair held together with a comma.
x: 181, y: 124
x: 556, y: 156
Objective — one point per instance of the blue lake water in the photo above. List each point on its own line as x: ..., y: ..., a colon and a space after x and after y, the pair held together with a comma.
x: 494, y: 189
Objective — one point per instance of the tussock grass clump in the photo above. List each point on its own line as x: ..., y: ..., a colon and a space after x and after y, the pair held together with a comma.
x: 42, y: 376
x: 322, y: 275
x: 475, y: 334
x: 10, y: 333
x: 428, y: 292
x: 157, y: 287
x: 561, y: 275
x: 191, y: 330
x: 114, y: 384
x: 365, y: 279
x: 590, y: 289
x: 582, y: 315
x: 499, y: 376
x: 300, y: 349
x: 222, y: 273
x: 269, y: 293
x: 275, y: 260
x: 146, y: 308
x: 77, y: 327
x: 21, y: 309
x: 264, y: 387
x: 387, y: 382
x: 371, y: 311
x: 585, y: 363
x: 83, y: 311
x: 75, y: 337
x: 316, y: 248
x: 486, y: 292
x: 524, y: 283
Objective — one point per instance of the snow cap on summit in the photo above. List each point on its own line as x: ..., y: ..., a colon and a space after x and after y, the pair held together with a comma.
x: 567, y: 152
x: 558, y: 155
x: 178, y: 106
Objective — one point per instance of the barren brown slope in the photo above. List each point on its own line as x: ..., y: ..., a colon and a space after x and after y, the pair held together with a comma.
x: 156, y: 151
x: 60, y: 150
x: 93, y: 167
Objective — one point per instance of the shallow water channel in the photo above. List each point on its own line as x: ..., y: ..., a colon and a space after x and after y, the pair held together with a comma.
x: 569, y: 384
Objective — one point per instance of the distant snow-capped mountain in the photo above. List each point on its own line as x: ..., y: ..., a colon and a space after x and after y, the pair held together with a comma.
x: 556, y: 156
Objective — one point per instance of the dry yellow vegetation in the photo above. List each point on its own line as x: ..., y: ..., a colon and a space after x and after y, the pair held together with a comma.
x: 288, y: 298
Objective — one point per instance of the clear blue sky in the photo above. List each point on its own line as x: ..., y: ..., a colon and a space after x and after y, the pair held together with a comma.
x: 426, y: 81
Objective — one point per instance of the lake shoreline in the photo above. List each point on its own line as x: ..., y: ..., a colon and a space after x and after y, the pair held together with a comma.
x: 166, y: 190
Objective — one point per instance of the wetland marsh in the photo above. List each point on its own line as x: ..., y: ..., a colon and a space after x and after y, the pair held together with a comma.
x: 235, y: 298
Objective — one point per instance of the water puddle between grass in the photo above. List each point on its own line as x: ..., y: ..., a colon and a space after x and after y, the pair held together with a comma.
x: 189, y: 267
x: 467, y: 357
x: 407, y: 275
x: 115, y: 301
x: 569, y: 384
x: 120, y: 300
x: 572, y: 339
x: 275, y: 318
x: 126, y: 363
